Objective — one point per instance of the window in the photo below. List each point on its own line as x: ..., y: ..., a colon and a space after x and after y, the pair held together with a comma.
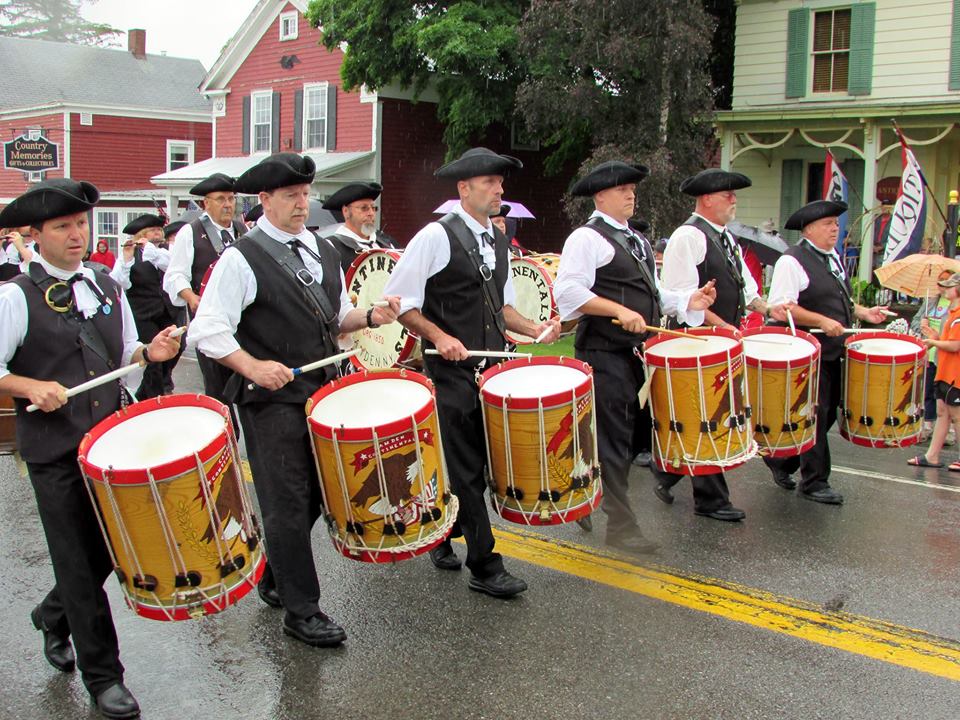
x: 108, y: 228
x: 86, y: 118
x: 521, y: 139
x: 260, y: 126
x: 179, y: 154
x: 831, y: 50
x: 315, y: 117
x: 288, y: 25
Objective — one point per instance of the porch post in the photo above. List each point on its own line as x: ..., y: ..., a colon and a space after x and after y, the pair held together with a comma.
x: 871, y: 150
x: 726, y: 147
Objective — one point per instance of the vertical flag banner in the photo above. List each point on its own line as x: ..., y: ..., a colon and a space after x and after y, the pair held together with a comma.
x: 907, y: 223
x: 836, y: 188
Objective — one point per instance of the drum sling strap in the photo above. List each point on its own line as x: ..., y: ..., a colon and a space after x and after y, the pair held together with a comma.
x: 456, y: 228
x: 620, y: 238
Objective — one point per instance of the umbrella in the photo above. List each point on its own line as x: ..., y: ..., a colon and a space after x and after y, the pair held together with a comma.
x: 319, y: 217
x: 768, y: 246
x: 517, y: 210
x: 916, y: 274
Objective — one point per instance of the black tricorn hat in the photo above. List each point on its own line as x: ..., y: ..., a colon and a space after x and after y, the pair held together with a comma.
x: 504, y: 209
x: 254, y: 213
x: 814, y: 211
x: 607, y: 175
x: 142, y: 223
x: 351, y: 193
x: 276, y: 171
x: 218, y: 182
x: 639, y: 224
x: 713, y: 180
x: 49, y: 199
x: 478, y: 161
x: 173, y: 228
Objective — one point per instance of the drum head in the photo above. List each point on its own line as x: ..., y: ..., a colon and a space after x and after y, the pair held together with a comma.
x: 535, y: 381
x: 887, y: 347
x: 684, y: 348
x: 533, y: 286
x: 374, y: 402
x: 777, y: 347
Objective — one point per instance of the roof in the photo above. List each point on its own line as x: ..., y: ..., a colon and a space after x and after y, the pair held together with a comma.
x: 40, y: 73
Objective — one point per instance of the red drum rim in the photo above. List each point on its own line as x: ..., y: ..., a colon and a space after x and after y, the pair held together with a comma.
x: 791, y: 451
x: 878, y: 443
x: 362, y: 434
x: 854, y: 354
x: 552, y: 400
x: 661, y: 361
x: 385, y: 556
x: 540, y: 268
x: 175, y: 468
x: 685, y: 469
x: 780, y: 364
x: 411, y: 340
x: 555, y: 518
x: 215, y: 605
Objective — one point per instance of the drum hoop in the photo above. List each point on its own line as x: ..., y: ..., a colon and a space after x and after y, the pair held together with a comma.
x: 554, y: 399
x: 405, y: 352
x: 164, y: 471
x: 362, y: 258
x: 875, y: 359
x: 690, y: 363
x: 540, y: 268
x: 780, y: 364
x: 396, y: 427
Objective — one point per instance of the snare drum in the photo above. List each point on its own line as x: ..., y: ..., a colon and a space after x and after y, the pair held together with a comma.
x: 8, y: 425
x: 541, y: 439
x: 377, y: 445
x: 533, y: 279
x: 388, y: 345
x: 173, y: 506
x: 783, y: 374
x: 882, y: 404
x: 699, y: 402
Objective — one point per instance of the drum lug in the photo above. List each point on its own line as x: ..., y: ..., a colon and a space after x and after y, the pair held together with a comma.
x: 790, y: 427
x: 191, y: 579
x: 762, y: 429
x: 252, y: 542
x: 145, y: 582
x: 228, y: 568
x: 705, y: 427
x: 866, y: 420
x: 892, y: 421
x: 676, y: 426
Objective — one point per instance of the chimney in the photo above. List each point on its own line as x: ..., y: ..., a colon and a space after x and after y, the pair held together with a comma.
x: 137, y: 43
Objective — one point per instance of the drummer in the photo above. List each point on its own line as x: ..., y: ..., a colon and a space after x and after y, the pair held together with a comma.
x: 811, y: 274
x: 358, y: 233
x: 457, y: 295
x: 607, y: 273
x: 62, y: 323
x: 260, y: 319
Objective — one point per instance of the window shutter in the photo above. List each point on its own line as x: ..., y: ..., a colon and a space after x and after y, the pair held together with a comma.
x: 245, y: 143
x: 791, y: 194
x: 331, y: 117
x: 298, y: 120
x: 275, y: 123
x: 862, y: 18
x: 798, y: 34
x: 955, y: 48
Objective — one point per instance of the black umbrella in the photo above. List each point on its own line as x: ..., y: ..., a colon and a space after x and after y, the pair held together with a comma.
x: 768, y: 246
x: 319, y: 217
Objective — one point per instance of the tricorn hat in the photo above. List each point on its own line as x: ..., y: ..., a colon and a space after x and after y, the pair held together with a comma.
x: 276, y: 171
x: 173, y: 228
x: 814, y: 211
x: 142, y: 223
x: 713, y: 180
x: 254, y: 213
x: 49, y: 199
x: 218, y: 182
x: 504, y: 210
x: 478, y: 161
x: 351, y: 193
x: 607, y: 175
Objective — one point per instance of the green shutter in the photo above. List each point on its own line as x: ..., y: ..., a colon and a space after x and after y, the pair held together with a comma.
x: 955, y: 48
x: 798, y: 40
x: 862, y: 19
x: 791, y: 194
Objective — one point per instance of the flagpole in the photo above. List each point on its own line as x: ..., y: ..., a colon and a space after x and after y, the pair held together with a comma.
x: 903, y: 141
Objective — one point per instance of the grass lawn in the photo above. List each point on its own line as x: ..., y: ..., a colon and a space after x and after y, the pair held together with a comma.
x: 563, y: 346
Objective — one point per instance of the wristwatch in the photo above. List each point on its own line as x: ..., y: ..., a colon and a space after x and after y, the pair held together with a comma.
x: 146, y: 356
x: 370, y: 323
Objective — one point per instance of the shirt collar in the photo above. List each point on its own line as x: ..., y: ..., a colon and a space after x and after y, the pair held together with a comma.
x: 344, y: 230
x: 832, y: 252
x: 475, y: 227
x: 217, y: 225
x: 718, y: 228
x: 59, y: 273
x: 282, y: 235
x: 609, y: 220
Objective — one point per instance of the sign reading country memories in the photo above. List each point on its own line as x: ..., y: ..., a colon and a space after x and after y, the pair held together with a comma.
x: 31, y: 152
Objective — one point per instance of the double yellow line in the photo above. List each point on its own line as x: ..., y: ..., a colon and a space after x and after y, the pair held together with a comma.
x: 860, y: 635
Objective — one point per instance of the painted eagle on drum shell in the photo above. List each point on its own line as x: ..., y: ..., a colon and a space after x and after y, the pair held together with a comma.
x: 398, y: 470
x: 229, y: 508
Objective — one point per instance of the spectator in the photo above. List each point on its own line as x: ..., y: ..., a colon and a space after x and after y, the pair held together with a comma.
x: 103, y: 255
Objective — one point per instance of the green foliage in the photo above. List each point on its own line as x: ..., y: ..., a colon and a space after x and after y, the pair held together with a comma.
x: 56, y: 20
x: 864, y: 292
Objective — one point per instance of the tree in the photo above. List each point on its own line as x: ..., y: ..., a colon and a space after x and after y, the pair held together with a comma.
x: 56, y: 20
x: 467, y: 50
x: 626, y: 79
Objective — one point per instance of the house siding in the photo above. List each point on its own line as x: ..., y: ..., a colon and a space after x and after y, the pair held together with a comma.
x: 12, y: 182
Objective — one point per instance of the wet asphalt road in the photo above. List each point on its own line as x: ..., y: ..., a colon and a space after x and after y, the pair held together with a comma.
x: 420, y: 644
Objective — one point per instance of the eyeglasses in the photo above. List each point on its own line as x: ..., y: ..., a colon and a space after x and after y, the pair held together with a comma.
x: 364, y: 208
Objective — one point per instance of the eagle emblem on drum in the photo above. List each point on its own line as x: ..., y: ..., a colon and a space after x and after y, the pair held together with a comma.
x: 581, y: 464
x: 228, y: 503
x: 400, y: 472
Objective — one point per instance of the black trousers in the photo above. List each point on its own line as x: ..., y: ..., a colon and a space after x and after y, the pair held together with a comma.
x: 621, y: 423
x: 215, y: 377
x: 288, y: 491
x: 710, y: 492
x: 77, y: 604
x: 464, y: 448
x: 814, y: 465
x: 157, y: 376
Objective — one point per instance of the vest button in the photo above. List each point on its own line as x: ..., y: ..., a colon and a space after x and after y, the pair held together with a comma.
x: 96, y: 403
x: 92, y: 373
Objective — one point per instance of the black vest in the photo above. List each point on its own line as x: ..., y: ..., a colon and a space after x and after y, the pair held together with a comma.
x: 204, y: 253
x: 146, y: 288
x: 52, y: 351
x: 623, y: 281
x: 453, y: 298
x: 717, y: 265
x: 284, y: 324
x: 826, y: 294
x: 349, y: 248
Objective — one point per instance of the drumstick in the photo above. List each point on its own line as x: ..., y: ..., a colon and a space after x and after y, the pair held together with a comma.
x: 316, y: 364
x: 847, y: 331
x: 380, y: 303
x: 542, y: 335
x: 107, y: 377
x: 677, y: 333
x: 484, y: 353
x: 766, y: 341
x: 793, y: 328
x: 889, y: 314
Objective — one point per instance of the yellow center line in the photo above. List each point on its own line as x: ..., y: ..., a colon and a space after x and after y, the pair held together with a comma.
x: 852, y: 633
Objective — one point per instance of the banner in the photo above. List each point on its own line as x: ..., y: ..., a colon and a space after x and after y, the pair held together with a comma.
x: 837, y: 189
x: 907, y: 222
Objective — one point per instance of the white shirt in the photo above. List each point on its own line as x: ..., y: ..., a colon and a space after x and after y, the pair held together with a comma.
x: 14, y: 318
x: 158, y: 257
x: 11, y: 255
x: 790, y: 279
x: 364, y: 243
x: 428, y: 253
x: 233, y: 287
x: 686, y: 249
x: 179, y: 273
x: 585, y: 251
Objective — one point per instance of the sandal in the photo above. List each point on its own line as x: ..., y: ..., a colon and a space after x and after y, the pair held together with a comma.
x: 954, y: 467
x: 921, y: 461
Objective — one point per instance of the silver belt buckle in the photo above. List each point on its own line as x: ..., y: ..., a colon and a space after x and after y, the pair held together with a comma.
x: 304, y: 276
x: 485, y: 272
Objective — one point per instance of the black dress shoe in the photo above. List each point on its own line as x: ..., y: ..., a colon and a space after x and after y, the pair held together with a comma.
x: 730, y: 514
x: 56, y: 649
x: 269, y: 594
x: 586, y: 522
x: 633, y: 542
x: 444, y: 558
x: 117, y: 702
x: 784, y: 480
x: 319, y: 630
x: 663, y: 492
x: 828, y: 496
x: 498, y: 585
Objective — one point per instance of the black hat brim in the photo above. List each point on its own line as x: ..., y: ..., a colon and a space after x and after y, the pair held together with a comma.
x: 714, y: 180
x: 352, y: 193
x: 218, y: 182
x: 142, y: 223
x: 276, y: 171
x: 607, y: 175
x: 50, y: 199
x: 811, y: 212
x: 476, y: 162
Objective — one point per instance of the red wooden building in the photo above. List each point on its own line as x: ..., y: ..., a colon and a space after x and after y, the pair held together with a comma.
x: 118, y: 118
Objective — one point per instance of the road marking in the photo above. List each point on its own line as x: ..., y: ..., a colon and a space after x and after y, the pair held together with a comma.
x: 852, y: 633
x: 893, y: 478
